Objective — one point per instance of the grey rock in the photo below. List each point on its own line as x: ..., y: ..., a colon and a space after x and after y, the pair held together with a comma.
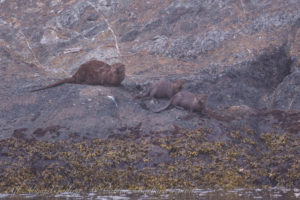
x: 188, y: 26
x: 238, y: 53
x: 209, y: 41
x: 179, y: 47
x: 176, y: 10
x: 266, y: 21
x: 287, y: 96
x: 93, y: 17
x: 157, y: 45
x: 152, y: 25
x: 67, y: 18
x: 95, y: 30
x: 129, y: 36
x: 6, y: 33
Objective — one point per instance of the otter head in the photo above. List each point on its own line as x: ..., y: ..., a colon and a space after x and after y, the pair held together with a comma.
x: 118, y: 68
x: 118, y: 73
x: 202, y: 98
x: 178, y: 85
x: 199, y: 102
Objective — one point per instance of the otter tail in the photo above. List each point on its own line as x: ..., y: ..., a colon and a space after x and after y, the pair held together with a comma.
x: 217, y: 116
x: 165, y: 107
x: 67, y: 80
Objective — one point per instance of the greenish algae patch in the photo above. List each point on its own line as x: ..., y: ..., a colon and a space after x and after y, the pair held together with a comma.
x: 179, y: 159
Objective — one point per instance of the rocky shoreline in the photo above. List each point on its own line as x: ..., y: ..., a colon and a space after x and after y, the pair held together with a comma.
x: 243, y: 55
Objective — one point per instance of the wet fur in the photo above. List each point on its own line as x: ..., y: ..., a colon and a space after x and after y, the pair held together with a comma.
x: 186, y: 100
x: 94, y: 72
x: 162, y: 89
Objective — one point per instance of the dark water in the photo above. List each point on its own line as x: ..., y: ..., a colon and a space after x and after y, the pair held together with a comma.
x: 256, y: 194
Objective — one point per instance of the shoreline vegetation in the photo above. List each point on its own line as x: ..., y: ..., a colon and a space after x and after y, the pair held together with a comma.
x: 181, y: 159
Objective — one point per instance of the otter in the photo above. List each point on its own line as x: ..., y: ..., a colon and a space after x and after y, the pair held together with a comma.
x: 193, y: 103
x: 94, y: 72
x: 187, y: 100
x: 163, y: 89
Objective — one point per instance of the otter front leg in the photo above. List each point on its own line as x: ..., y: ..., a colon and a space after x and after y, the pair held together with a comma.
x: 191, y: 114
x: 154, y: 101
x: 152, y: 95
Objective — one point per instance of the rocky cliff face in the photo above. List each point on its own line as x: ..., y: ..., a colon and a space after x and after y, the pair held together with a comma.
x: 236, y: 52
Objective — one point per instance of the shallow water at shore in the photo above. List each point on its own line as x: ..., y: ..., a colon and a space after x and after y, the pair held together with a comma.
x: 245, y: 194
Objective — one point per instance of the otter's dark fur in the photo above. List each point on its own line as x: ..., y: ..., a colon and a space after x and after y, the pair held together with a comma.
x: 94, y: 72
x: 186, y: 100
x: 163, y: 89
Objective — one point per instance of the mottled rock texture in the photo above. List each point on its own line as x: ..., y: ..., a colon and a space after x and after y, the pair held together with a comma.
x: 235, y: 52
x: 243, y: 55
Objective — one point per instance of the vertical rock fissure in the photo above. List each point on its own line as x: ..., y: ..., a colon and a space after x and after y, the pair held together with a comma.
x: 108, y: 25
x: 30, y: 48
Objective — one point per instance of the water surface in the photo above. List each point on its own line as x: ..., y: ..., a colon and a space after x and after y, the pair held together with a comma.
x: 245, y: 194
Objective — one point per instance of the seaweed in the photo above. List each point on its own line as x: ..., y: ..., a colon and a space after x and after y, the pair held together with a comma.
x: 184, y: 159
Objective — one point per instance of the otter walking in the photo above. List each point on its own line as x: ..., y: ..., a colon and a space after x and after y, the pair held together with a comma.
x: 94, y: 72
x: 163, y: 89
x: 187, y: 100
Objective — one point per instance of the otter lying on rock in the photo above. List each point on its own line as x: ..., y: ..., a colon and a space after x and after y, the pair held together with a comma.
x: 186, y: 100
x: 163, y: 89
x: 94, y: 72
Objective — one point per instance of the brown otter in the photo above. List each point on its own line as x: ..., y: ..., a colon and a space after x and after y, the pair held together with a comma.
x: 163, y: 89
x: 193, y: 103
x: 94, y: 72
x: 186, y: 100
